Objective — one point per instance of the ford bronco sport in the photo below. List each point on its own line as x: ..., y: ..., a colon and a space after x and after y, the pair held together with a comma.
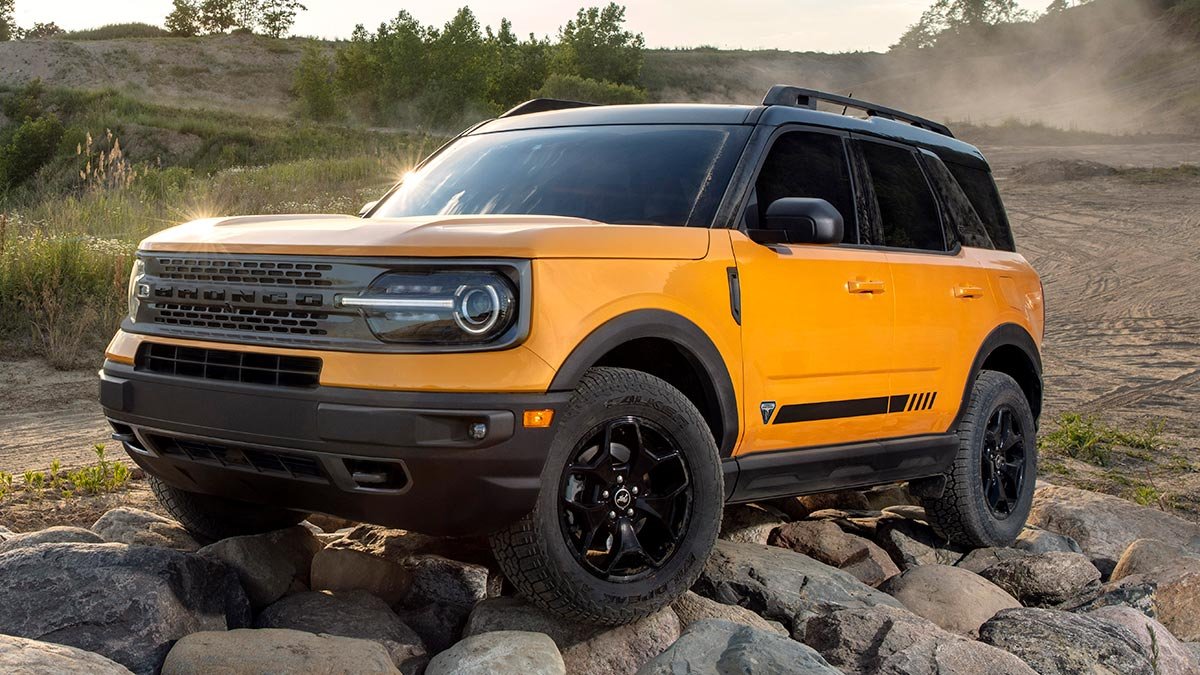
x: 584, y: 330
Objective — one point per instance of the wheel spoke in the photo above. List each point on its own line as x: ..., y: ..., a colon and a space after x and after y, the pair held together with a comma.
x: 625, y: 544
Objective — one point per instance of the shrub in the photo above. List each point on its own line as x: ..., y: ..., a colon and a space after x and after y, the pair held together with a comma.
x: 32, y: 145
x: 117, y: 31
x: 314, y: 85
x: 575, y: 88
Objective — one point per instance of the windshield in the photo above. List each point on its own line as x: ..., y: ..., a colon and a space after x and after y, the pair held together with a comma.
x: 653, y: 175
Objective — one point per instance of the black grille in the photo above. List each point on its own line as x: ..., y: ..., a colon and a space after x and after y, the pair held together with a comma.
x: 229, y: 366
x: 269, y: 462
x: 245, y: 271
x: 241, y: 318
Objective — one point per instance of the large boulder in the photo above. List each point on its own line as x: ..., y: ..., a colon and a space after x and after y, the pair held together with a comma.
x: 441, y: 594
x: 1170, y: 656
x: 1173, y: 579
x: 912, y: 542
x: 781, y: 585
x: 22, y: 656
x: 1037, y: 540
x: 1150, y: 557
x: 348, y: 569
x: 127, y: 525
x: 982, y: 558
x: 891, y: 641
x: 59, y: 534
x: 269, y: 565
x: 353, y: 614
x: 518, y: 652
x: 691, y: 608
x: 1044, y: 579
x: 440, y: 626
x: 749, y: 523
x: 714, y: 647
x: 274, y: 650
x: 587, y: 649
x: 1104, y: 525
x: 128, y: 603
x: 1063, y: 643
x: 824, y: 541
x: 953, y: 598
x: 397, y: 545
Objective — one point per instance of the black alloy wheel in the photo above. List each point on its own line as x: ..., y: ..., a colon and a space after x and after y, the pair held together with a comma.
x: 1002, y: 469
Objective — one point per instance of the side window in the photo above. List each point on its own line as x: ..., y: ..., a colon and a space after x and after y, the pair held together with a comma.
x: 956, y: 206
x: 908, y: 212
x: 807, y: 164
x: 981, y: 190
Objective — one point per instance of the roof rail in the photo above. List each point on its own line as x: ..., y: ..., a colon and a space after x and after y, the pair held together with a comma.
x: 782, y: 94
x: 538, y: 105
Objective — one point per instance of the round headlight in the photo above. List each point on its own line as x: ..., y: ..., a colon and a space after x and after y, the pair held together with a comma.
x: 479, y: 308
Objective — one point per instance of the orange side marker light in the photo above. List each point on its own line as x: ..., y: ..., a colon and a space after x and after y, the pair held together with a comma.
x: 538, y: 419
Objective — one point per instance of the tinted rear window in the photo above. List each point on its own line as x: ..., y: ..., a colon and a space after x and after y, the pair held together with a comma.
x: 907, y: 208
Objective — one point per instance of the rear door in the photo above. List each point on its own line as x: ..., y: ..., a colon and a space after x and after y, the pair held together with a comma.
x: 816, y: 319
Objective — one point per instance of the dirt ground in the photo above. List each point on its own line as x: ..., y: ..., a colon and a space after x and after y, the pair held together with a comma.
x: 1119, y: 256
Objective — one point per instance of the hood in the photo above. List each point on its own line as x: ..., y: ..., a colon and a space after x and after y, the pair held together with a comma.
x: 492, y: 236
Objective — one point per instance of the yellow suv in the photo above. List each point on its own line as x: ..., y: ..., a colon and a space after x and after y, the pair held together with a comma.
x: 583, y: 330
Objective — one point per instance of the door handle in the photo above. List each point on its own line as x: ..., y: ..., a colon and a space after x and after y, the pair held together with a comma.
x: 968, y: 292
x: 860, y: 286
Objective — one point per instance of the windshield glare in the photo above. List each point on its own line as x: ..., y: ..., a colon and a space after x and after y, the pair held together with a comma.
x: 654, y: 175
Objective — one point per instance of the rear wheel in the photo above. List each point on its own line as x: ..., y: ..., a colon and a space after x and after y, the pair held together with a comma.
x: 630, y: 506
x: 211, y: 518
x: 989, y: 489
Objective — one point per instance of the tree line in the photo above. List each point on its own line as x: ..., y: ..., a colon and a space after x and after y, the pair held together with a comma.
x: 273, y: 18
x: 969, y: 17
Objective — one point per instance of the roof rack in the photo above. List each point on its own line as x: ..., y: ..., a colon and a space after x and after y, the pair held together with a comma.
x: 782, y: 94
x: 538, y: 105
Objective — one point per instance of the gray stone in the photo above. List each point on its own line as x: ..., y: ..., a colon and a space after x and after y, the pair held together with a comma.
x: 353, y: 614
x: 1105, y: 525
x: 1194, y: 647
x: 910, y: 511
x: 345, y: 569
x: 891, y: 641
x: 21, y: 656
x: 1037, y: 540
x: 1044, y: 579
x: 912, y: 542
x: 59, y: 534
x: 824, y: 541
x: 517, y: 652
x: 1171, y: 657
x: 781, y: 585
x: 126, y: 525
x: 440, y: 626
x: 274, y: 650
x: 329, y: 523
x: 982, y: 558
x: 586, y: 648
x: 846, y: 500
x: 714, y: 647
x: 894, y: 495
x: 1150, y: 556
x: 749, y: 524
x: 5, y: 533
x: 269, y: 565
x: 1062, y: 643
x: 1175, y: 600
x: 397, y: 545
x: 691, y: 608
x: 128, y: 603
x: 953, y: 598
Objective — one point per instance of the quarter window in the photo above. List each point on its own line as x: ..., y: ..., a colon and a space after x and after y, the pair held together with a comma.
x: 907, y: 209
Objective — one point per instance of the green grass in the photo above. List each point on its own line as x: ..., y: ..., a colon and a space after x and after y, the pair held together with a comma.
x: 102, y: 477
x: 1086, y: 438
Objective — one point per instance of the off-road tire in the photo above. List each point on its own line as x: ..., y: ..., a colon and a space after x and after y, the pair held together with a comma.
x: 961, y: 514
x: 211, y: 518
x: 534, y: 553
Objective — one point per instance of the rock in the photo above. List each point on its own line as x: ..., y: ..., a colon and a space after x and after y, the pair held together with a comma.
x: 396, y: 545
x: 1194, y: 647
x: 1175, y: 597
x: 1044, y: 579
x: 270, y: 564
x: 749, y: 524
x: 21, y: 656
x: 1134, y: 592
x: 781, y: 585
x: 1171, y: 657
x: 911, y: 543
x: 345, y: 569
x: 910, y: 511
x: 352, y: 614
x: 274, y: 650
x: 433, y: 578
x: 792, y: 507
x: 1149, y: 556
x: 824, y: 541
x: 128, y: 603
x: 714, y: 647
x: 861, y: 523
x: 1105, y: 525
x: 586, y: 648
x: 846, y: 500
x: 982, y: 558
x: 440, y: 626
x: 517, y: 652
x: 953, y: 598
x: 1036, y: 540
x: 5, y: 533
x: 126, y: 525
x: 329, y: 523
x: 1062, y: 643
x: 59, y: 534
x: 892, y: 641
x: 894, y: 495
x: 691, y: 608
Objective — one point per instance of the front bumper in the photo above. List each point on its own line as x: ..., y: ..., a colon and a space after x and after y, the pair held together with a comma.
x: 401, y: 459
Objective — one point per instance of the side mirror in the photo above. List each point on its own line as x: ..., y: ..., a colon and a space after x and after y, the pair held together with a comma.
x: 367, y: 208
x: 800, y: 220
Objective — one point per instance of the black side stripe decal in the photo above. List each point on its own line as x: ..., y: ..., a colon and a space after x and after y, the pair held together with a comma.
x: 857, y: 407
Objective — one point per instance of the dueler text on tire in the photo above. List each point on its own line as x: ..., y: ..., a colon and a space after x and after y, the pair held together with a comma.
x: 630, y: 507
x: 989, y: 489
x: 213, y: 518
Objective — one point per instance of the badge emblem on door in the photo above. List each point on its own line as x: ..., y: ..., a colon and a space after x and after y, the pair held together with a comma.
x: 768, y: 409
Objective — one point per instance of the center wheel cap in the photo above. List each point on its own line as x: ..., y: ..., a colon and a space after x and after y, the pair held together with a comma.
x: 622, y: 499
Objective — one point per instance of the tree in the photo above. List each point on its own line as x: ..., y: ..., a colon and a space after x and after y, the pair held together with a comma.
x: 457, y: 66
x: 41, y: 31
x: 595, y: 45
x: 217, y: 16
x: 959, y: 16
x: 184, y: 20
x: 518, y: 68
x: 314, y: 85
x: 8, y: 27
x: 278, y: 16
x: 1057, y: 6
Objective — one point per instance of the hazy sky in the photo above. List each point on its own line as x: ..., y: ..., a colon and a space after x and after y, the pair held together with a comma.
x: 795, y: 25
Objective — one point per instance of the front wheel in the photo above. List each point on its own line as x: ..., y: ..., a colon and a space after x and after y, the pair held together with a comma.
x: 989, y: 489
x: 630, y: 506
